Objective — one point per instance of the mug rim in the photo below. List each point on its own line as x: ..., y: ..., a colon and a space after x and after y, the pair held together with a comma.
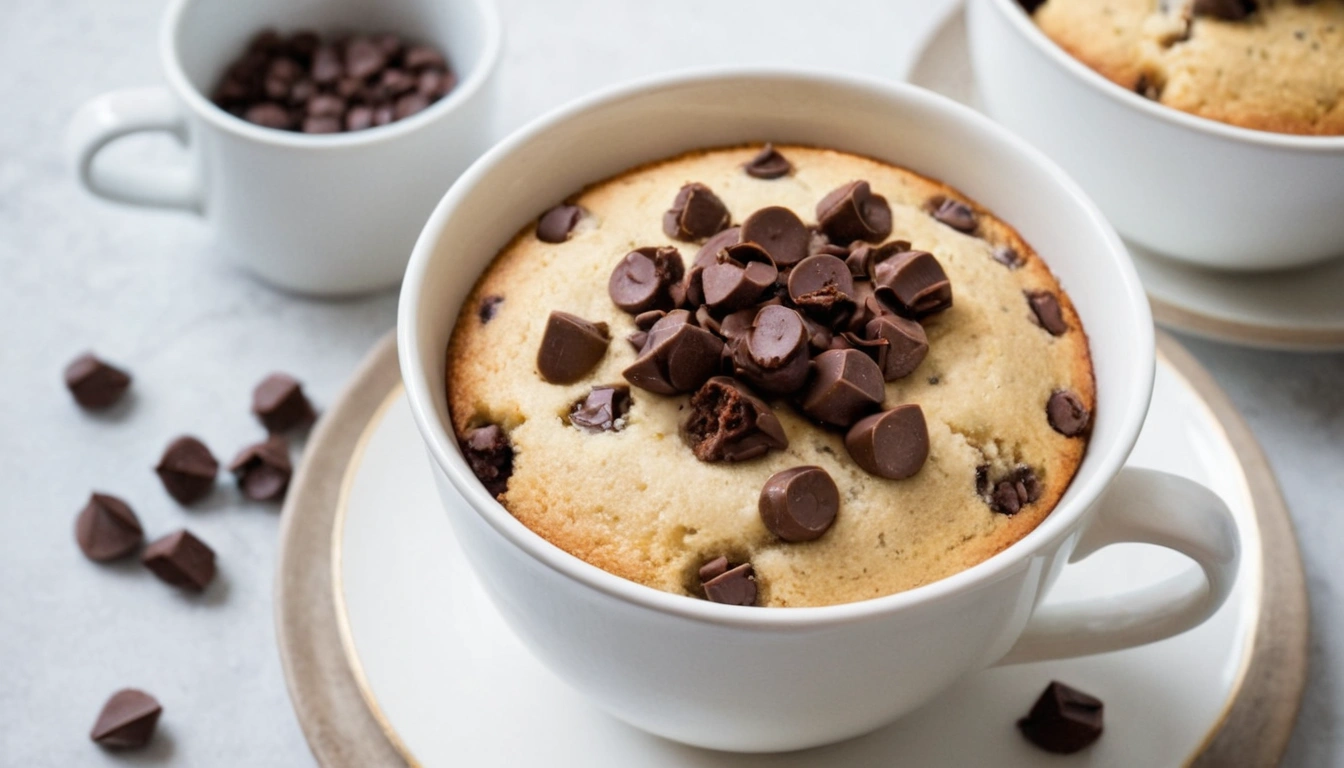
x: 442, y: 447
x: 1023, y: 25
x: 487, y: 61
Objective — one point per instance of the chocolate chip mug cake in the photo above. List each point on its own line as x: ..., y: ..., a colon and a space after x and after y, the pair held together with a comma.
x: 778, y: 376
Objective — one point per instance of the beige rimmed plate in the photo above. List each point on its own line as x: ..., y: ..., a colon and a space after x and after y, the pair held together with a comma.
x: 393, y: 654
x: 1300, y: 309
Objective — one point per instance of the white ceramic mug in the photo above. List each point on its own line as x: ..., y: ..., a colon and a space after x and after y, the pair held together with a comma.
x: 767, y: 679
x: 321, y: 214
x: 1184, y: 186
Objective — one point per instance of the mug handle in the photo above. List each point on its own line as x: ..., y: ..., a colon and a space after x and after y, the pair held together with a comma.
x: 112, y: 115
x: 1148, y: 507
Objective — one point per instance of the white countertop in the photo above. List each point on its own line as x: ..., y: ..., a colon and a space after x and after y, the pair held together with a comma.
x: 140, y: 288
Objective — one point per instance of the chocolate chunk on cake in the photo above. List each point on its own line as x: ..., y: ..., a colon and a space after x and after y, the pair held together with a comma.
x: 780, y: 376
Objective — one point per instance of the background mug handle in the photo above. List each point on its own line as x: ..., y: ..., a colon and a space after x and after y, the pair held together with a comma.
x: 112, y: 115
x: 1148, y: 507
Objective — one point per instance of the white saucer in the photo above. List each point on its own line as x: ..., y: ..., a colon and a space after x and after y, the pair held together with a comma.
x: 1301, y: 309
x: 448, y: 684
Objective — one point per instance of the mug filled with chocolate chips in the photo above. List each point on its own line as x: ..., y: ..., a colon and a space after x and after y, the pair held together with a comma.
x: 319, y: 135
x: 760, y: 437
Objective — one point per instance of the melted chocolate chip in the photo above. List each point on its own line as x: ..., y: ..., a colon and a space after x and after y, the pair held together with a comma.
x: 893, y: 444
x: 490, y: 455
x: 555, y: 225
x: 773, y: 356
x: 107, y: 529
x: 642, y: 279
x: 1008, y: 257
x: 713, y: 569
x: 729, y: 287
x: 709, y: 252
x: 822, y: 287
x: 953, y: 213
x: 1046, y: 308
x: 852, y: 212
x: 905, y: 345
x: 678, y: 356
x: 736, y: 586
x: 728, y: 423
x: 1064, y: 720
x: 696, y: 213
x: 913, y: 282
x: 845, y: 385
x: 1067, y: 414
x: 781, y: 233
x: 570, y: 348
x: 1226, y: 10
x: 602, y: 410
x: 488, y: 308
x: 1010, y: 494
x: 768, y: 164
x: 799, y: 504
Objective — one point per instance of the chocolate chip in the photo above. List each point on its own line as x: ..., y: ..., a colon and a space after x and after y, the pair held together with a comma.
x: 713, y: 569
x: 738, y: 324
x: 1046, y: 308
x: 799, y: 504
x: 821, y: 244
x: 555, y: 225
x: 905, y: 345
x: 845, y: 385
x: 913, y: 282
x: 570, y: 348
x: 781, y: 233
x: 488, y: 308
x: 1010, y: 494
x: 696, y: 213
x: 127, y: 720
x: 893, y: 444
x: 772, y: 356
x: 408, y: 105
x: 728, y: 287
x: 768, y: 164
x: 1147, y: 87
x: 822, y: 287
x: 1008, y: 257
x: 637, y: 340
x: 1066, y: 413
x: 326, y: 105
x: 358, y: 118
x: 678, y: 356
x: 641, y: 280
x: 852, y: 212
x: 268, y: 114
x: 187, y: 470
x: 107, y: 529
x: 423, y: 57
x: 736, y: 586
x: 709, y: 252
x: 363, y: 57
x: 326, y: 67
x: 263, y: 470
x: 490, y: 455
x: 602, y: 410
x: 953, y: 213
x: 94, y: 383
x: 279, y: 403
x: 728, y: 423
x: 1064, y: 720
x: 1227, y: 10
x: 182, y: 560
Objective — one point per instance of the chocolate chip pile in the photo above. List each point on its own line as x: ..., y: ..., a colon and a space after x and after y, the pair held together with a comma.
x: 304, y: 83
x: 773, y: 311
x: 107, y: 529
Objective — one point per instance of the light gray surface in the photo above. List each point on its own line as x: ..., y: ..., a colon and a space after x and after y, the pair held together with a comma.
x: 139, y: 287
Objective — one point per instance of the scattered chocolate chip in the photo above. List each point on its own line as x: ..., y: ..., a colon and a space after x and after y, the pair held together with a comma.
x: 1064, y: 720
x: 263, y: 470
x: 490, y: 455
x: 713, y: 569
x: 799, y: 504
x: 570, y: 348
x: 768, y: 164
x: 953, y: 213
x: 637, y: 340
x: 1066, y: 413
x: 728, y: 423
x: 845, y: 385
x: 822, y: 287
x: 729, y: 287
x: 913, y: 282
x: 555, y: 225
x: 852, y: 212
x: 279, y: 403
x: 696, y: 213
x: 602, y: 410
x: 678, y: 356
x: 773, y: 355
x: 781, y: 233
x: 906, y: 345
x: 641, y: 280
x: 893, y: 444
x: 736, y: 586
x: 1227, y: 10
x: 127, y: 720
x: 187, y: 470
x: 1008, y: 257
x: 107, y: 529
x: 182, y: 560
x: 1020, y: 488
x: 94, y: 383
x: 488, y: 308
x: 1046, y: 308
